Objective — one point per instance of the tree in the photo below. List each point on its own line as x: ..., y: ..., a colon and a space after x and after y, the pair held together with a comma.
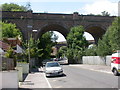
x: 104, y: 13
x: 76, y: 44
x: 31, y: 48
x: 46, y: 44
x: 103, y: 48
x: 111, y: 40
x: 114, y: 34
x: 9, y: 30
x: 54, y: 36
x: 15, y: 7
x: 62, y: 51
x: 92, y: 51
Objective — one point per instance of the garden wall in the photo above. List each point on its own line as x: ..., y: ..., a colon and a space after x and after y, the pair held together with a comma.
x: 97, y: 60
x: 25, y: 67
x: 6, y: 64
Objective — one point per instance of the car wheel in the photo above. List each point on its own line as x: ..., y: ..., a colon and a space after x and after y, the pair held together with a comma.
x: 115, y: 72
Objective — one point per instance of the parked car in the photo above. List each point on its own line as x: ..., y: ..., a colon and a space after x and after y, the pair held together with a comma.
x: 115, y: 63
x: 46, y: 60
x: 53, y: 69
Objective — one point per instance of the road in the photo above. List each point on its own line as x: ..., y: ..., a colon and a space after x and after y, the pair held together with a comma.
x: 76, y: 77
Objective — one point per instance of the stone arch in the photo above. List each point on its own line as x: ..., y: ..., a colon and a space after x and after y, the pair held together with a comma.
x: 96, y: 31
x: 53, y: 27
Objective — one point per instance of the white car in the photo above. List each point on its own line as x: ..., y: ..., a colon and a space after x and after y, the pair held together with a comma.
x: 53, y: 69
x: 115, y: 63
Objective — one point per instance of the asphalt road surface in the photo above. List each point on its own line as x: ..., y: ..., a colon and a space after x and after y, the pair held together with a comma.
x: 76, y: 77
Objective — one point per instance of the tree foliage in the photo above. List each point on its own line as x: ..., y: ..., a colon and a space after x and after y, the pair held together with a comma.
x: 105, y: 13
x: 114, y: 34
x: 76, y: 44
x: 103, y: 48
x: 46, y: 44
x: 92, y: 51
x: 31, y: 49
x: 10, y: 53
x: 13, y: 7
x: 9, y: 30
x: 62, y: 51
x: 54, y: 37
x: 111, y: 40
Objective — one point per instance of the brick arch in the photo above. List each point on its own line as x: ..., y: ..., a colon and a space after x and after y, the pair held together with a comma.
x: 97, y: 31
x: 61, y: 22
x: 21, y: 30
x: 53, y: 27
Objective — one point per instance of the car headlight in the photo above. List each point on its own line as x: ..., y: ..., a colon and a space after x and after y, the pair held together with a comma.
x: 60, y: 70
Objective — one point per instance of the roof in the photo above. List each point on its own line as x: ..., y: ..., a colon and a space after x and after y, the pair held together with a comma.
x: 1, y: 51
x: 19, y: 49
x: 4, y: 46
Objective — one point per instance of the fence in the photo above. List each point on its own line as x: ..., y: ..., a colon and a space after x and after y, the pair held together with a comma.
x: 6, y: 63
x: 97, y: 60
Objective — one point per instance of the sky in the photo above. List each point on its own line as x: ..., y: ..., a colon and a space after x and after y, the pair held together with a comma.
x: 69, y: 6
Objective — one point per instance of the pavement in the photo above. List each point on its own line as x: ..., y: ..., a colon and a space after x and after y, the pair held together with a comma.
x: 40, y: 80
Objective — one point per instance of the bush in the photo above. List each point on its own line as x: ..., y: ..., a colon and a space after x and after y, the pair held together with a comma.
x: 92, y: 51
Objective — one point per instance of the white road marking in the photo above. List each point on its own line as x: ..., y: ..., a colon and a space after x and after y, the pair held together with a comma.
x: 47, y: 80
x: 101, y: 71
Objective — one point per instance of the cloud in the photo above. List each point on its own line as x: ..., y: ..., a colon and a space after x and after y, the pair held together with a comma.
x: 99, y: 6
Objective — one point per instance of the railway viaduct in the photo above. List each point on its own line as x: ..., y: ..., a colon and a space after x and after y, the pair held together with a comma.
x: 44, y: 22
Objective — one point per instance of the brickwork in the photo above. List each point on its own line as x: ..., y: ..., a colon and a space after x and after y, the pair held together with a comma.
x: 43, y: 22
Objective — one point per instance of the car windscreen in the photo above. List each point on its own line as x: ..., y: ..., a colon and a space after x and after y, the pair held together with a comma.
x: 53, y: 65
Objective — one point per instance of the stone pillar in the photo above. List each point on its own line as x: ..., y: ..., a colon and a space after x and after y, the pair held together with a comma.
x: 76, y: 18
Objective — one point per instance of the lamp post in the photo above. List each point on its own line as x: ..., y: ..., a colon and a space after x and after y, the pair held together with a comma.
x: 34, y: 38
x: 29, y: 29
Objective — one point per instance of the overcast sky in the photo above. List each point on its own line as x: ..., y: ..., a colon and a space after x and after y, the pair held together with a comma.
x: 69, y: 6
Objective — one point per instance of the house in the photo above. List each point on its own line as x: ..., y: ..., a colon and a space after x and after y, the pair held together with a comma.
x: 4, y: 46
x: 13, y: 41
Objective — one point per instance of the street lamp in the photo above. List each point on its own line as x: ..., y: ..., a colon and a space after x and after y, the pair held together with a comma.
x: 29, y: 29
x: 35, y: 31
